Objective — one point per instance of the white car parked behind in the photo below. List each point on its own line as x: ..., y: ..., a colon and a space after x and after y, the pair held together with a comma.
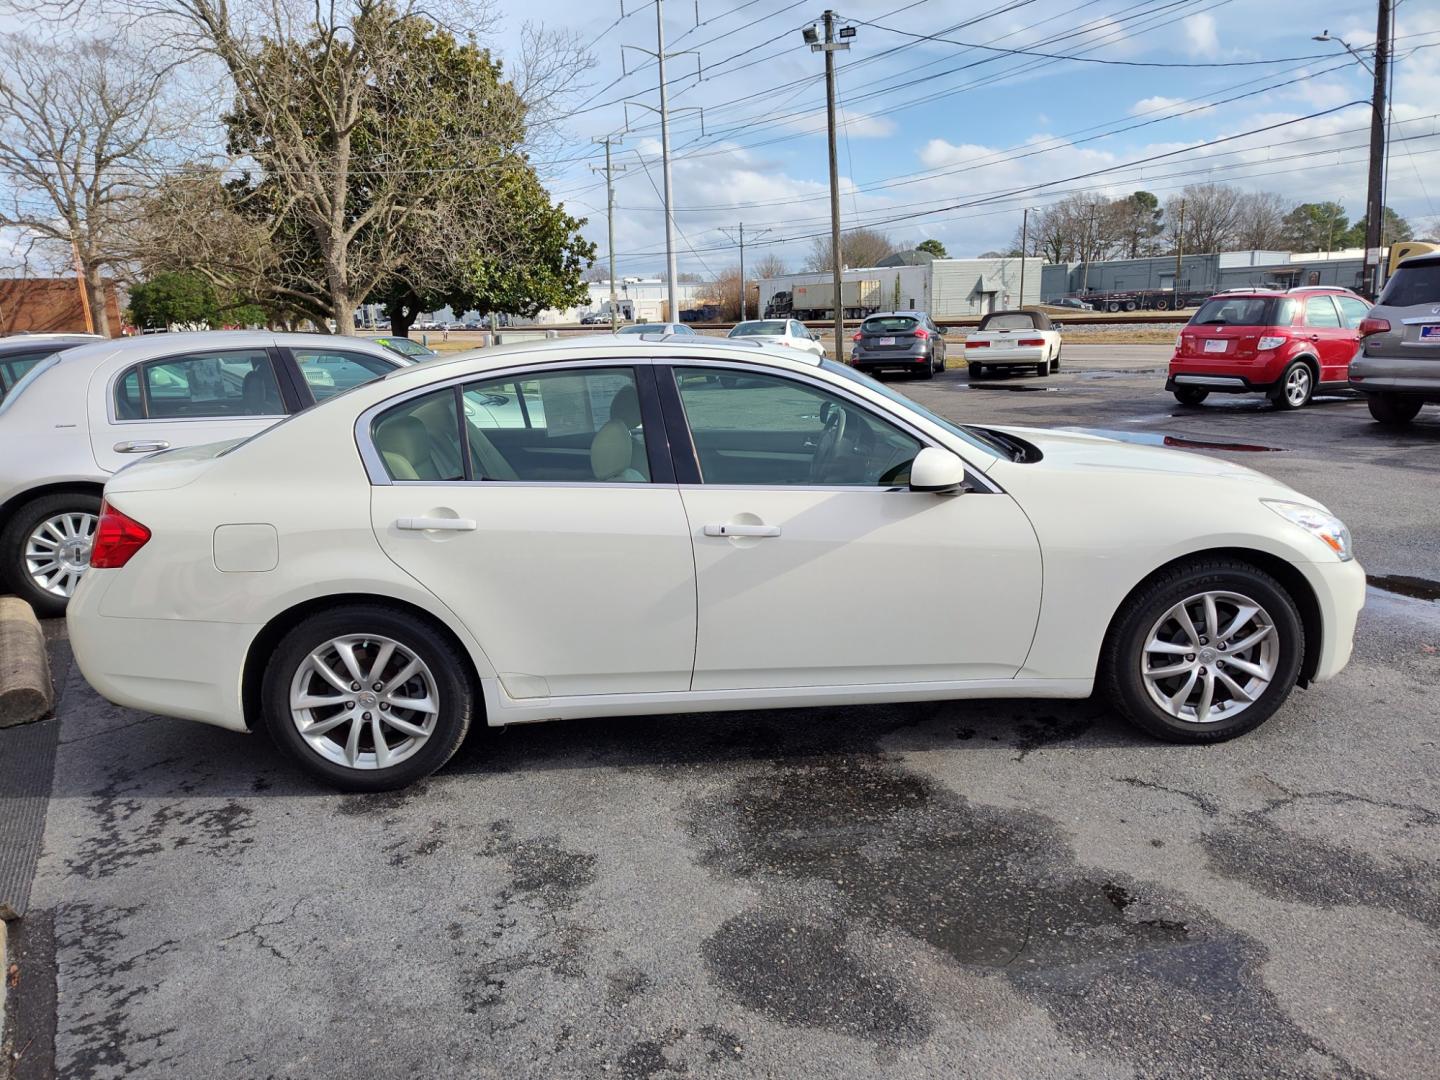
x: 1013, y: 339
x: 612, y: 526
x: 791, y: 333
x: 81, y: 415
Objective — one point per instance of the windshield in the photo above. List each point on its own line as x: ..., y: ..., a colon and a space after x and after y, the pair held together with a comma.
x: 1245, y: 311
x: 404, y: 346
x: 27, y: 380
x: 888, y: 324
x: 1413, y: 285
x: 760, y: 328
x: 971, y: 436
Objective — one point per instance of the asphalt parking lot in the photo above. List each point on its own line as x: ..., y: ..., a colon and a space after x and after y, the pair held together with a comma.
x: 997, y: 889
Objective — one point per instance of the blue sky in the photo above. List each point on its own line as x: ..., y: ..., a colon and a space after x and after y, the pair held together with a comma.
x: 932, y: 124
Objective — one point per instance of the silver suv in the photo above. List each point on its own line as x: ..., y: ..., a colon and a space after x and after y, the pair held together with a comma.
x: 1398, y: 367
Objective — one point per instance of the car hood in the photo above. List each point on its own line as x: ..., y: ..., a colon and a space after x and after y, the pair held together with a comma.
x: 1084, y: 453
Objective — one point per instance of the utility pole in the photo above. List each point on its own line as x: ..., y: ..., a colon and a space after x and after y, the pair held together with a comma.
x: 1179, y: 251
x: 1089, y: 252
x: 741, y: 240
x: 84, y: 292
x: 1024, y: 242
x: 672, y: 313
x: 610, y: 170
x: 1375, y: 195
x: 830, y: 46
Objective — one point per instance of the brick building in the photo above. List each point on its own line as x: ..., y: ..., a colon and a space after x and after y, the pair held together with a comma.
x: 49, y: 306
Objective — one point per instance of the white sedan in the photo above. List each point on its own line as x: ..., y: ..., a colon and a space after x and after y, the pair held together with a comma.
x: 684, y: 526
x: 1013, y: 339
x: 791, y: 333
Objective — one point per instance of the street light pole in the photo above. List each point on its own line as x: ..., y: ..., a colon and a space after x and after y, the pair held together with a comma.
x: 830, y: 46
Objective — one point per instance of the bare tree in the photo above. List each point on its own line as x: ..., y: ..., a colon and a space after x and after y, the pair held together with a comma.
x: 1213, y: 213
x: 79, y: 125
x: 858, y: 247
x: 768, y: 266
x: 1261, y: 222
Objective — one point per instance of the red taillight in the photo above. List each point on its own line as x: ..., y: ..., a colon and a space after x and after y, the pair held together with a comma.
x: 922, y: 333
x: 117, y: 538
x: 977, y: 344
x: 1370, y: 326
x: 855, y: 336
x: 1033, y: 341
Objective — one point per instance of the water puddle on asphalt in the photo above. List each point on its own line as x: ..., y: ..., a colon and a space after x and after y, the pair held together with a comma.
x: 1414, y: 587
x: 1019, y: 388
x: 1180, y: 442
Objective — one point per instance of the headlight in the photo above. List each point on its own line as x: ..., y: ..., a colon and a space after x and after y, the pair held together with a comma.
x: 1326, y: 527
x: 1265, y: 344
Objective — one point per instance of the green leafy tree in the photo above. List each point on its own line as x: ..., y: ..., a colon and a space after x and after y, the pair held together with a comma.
x: 934, y: 247
x: 1141, y: 221
x: 1321, y: 226
x: 180, y: 298
x: 1393, y: 229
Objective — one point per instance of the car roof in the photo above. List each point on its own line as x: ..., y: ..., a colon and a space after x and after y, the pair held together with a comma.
x: 30, y: 342
x: 147, y: 346
x: 892, y: 314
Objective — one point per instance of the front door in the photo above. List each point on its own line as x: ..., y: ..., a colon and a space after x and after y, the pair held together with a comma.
x: 816, y: 566
x: 550, y: 533
x: 184, y: 399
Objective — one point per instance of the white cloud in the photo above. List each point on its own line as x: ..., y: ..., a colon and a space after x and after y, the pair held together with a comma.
x: 1200, y: 35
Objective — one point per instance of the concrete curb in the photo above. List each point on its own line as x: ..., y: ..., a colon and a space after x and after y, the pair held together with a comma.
x: 26, y: 693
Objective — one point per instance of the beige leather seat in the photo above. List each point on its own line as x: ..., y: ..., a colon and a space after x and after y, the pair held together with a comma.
x: 625, y: 407
x: 411, y: 454
x: 610, y: 452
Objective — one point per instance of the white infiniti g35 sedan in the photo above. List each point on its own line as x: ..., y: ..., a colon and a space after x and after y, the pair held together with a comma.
x: 607, y: 527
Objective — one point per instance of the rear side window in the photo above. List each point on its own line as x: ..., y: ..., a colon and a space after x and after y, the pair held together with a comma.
x: 209, y: 385
x: 1320, y: 311
x: 1413, y: 285
x: 420, y: 439
x: 889, y: 324
x: 1239, y: 311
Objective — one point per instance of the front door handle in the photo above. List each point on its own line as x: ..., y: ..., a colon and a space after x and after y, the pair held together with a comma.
x: 742, y: 530
x: 435, y: 524
x: 141, y: 447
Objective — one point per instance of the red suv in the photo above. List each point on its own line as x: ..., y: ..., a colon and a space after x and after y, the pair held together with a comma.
x: 1285, y: 345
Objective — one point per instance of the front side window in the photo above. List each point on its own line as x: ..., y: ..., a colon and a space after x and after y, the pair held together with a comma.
x: 761, y: 429
x: 328, y: 372
x: 209, y: 385
x: 1320, y: 311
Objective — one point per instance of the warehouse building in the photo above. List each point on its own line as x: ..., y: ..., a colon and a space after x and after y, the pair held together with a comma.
x: 909, y: 281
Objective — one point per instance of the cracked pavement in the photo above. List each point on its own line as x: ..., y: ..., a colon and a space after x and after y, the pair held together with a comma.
x: 1000, y: 889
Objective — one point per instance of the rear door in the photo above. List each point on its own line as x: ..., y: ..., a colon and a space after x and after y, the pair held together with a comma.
x: 185, y: 399
x: 1334, y: 341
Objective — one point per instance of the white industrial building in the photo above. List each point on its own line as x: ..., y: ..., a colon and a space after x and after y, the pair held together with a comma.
x: 639, y: 300
x: 946, y: 288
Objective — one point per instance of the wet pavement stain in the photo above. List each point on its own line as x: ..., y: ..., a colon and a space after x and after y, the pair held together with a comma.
x: 997, y: 891
x: 1414, y: 587
x: 1177, y: 442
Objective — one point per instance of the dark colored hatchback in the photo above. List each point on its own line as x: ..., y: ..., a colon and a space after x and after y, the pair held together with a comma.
x: 899, y: 341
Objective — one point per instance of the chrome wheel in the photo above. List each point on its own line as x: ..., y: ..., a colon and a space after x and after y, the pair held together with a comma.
x: 57, y: 552
x: 1210, y: 657
x: 364, y: 702
x: 1297, y: 386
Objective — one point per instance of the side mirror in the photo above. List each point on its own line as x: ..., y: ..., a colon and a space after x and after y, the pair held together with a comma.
x: 938, y: 471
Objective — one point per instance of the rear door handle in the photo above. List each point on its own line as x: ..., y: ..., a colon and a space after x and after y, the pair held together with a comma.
x: 141, y: 447
x: 742, y: 530
x: 435, y: 524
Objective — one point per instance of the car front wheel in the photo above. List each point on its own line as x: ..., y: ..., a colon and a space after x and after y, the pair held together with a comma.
x: 1204, y: 652
x: 1393, y: 410
x: 367, y: 698
x: 46, y: 549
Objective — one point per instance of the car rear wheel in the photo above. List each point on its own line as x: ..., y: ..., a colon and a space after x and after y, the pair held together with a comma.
x: 1055, y: 363
x: 1043, y: 369
x: 46, y: 548
x: 928, y: 371
x: 367, y: 698
x: 976, y: 371
x: 1393, y: 410
x: 1204, y: 652
x: 1191, y: 395
x: 1295, y: 388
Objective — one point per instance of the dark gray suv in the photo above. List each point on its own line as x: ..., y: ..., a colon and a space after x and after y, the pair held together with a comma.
x: 1398, y: 366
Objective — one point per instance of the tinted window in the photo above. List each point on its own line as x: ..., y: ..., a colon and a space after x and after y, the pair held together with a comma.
x: 327, y: 372
x: 1413, y: 285
x: 889, y: 324
x: 420, y: 439
x: 765, y: 430
x: 230, y: 382
x: 580, y: 426
x: 1237, y: 311
x: 1320, y: 311
x: 1353, y: 310
x: 764, y: 327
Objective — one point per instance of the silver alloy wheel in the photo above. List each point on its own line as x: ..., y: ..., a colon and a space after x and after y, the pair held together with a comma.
x: 57, y: 551
x: 364, y: 701
x: 1210, y: 657
x: 1297, y: 385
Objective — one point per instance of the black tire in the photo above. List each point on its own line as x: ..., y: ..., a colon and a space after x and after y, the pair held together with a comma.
x: 1281, y: 399
x: 1162, y: 305
x: 1112, y: 305
x: 1042, y: 369
x: 1121, y: 658
x: 1055, y: 363
x: 1191, y: 395
x: 928, y: 372
x: 17, y: 532
x: 977, y: 371
x: 1394, y: 410
x: 450, y: 671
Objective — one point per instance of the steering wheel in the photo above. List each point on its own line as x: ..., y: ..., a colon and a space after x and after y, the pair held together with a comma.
x: 828, y: 445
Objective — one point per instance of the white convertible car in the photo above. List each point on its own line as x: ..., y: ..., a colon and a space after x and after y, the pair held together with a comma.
x: 1013, y: 339
x: 606, y: 527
